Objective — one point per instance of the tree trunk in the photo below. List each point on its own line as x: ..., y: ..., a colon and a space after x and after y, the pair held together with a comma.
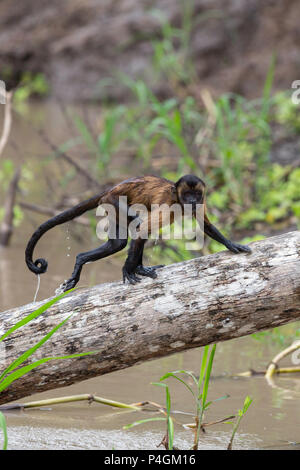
x: 190, y: 304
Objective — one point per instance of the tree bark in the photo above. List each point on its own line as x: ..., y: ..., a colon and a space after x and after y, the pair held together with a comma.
x: 190, y: 304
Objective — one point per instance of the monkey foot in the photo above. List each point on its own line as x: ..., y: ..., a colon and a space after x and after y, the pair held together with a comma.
x: 68, y: 284
x: 130, y: 276
x: 149, y: 271
x: 236, y: 248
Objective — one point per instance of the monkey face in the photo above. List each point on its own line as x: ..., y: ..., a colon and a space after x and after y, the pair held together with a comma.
x: 190, y: 190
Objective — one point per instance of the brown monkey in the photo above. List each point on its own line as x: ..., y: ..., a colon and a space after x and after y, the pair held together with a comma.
x: 147, y: 190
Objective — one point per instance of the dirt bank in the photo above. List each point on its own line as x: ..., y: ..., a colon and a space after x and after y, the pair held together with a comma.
x: 77, y: 43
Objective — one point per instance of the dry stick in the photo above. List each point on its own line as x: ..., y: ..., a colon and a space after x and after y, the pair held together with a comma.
x: 7, y: 121
x: 69, y: 399
x: 211, y: 423
x: 273, y: 364
x: 6, y: 228
x: 280, y: 370
x: 90, y: 179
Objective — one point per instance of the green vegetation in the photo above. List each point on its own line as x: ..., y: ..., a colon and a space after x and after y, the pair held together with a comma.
x: 198, y: 387
x: 31, y: 85
x: 4, y: 430
x: 241, y: 414
x: 16, y: 370
x: 226, y: 140
x: 227, y: 143
x: 201, y: 385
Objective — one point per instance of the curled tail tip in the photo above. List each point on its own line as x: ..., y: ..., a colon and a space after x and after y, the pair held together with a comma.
x: 39, y: 266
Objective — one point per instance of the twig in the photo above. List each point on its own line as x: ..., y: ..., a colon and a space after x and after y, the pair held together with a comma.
x: 274, y: 363
x: 51, y: 212
x: 7, y: 121
x: 6, y: 229
x: 280, y: 370
x: 68, y: 399
x: 81, y: 170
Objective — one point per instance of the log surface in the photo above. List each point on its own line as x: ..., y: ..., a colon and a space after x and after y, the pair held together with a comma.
x: 190, y: 304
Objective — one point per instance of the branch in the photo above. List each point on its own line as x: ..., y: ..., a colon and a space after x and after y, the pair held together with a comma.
x: 6, y: 228
x: 7, y: 121
x: 205, y: 300
x: 78, y: 167
x: 274, y: 363
x: 51, y: 212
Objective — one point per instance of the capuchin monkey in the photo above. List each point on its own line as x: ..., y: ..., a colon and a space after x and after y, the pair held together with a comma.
x: 148, y: 191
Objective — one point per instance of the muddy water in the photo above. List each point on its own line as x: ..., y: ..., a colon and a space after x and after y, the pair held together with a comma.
x: 273, y: 419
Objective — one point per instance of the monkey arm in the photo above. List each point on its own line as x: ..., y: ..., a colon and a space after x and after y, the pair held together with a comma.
x: 215, y: 234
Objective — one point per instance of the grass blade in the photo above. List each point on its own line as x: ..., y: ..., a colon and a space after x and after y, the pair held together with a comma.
x: 142, y: 421
x: 31, y: 351
x: 207, y: 375
x: 4, y: 430
x: 34, y: 314
x: 23, y: 370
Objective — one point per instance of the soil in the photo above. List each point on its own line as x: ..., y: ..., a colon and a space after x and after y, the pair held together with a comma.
x: 81, y: 44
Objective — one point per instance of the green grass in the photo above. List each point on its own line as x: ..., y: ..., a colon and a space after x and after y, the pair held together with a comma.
x: 236, y: 424
x: 17, y: 369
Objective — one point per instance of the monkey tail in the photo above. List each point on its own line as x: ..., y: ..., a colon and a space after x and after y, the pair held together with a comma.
x: 40, y: 265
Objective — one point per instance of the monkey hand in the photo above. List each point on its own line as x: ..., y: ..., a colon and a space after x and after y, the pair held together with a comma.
x: 68, y: 284
x: 237, y: 248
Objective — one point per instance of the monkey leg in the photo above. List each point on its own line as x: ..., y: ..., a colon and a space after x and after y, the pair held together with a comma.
x: 149, y: 271
x: 214, y: 233
x: 107, y: 249
x: 134, y: 263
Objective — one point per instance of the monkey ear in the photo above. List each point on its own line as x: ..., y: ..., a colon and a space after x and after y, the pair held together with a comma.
x: 178, y: 183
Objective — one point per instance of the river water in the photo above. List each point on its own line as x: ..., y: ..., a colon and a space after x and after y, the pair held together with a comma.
x: 273, y: 419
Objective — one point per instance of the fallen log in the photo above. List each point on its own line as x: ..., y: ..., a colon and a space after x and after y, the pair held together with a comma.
x: 194, y: 303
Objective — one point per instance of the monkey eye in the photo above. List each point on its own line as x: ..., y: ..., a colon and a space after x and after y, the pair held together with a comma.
x: 192, y: 194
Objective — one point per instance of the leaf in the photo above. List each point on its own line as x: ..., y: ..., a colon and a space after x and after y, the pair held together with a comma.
x: 23, y: 370
x: 4, y: 429
x: 86, y: 135
x: 172, y: 374
x: 208, y: 372
x: 203, y: 366
x: 170, y: 432
x: 247, y: 403
x: 31, y: 351
x: 142, y: 421
x: 34, y: 314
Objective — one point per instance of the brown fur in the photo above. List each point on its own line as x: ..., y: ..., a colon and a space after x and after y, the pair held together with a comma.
x: 146, y: 190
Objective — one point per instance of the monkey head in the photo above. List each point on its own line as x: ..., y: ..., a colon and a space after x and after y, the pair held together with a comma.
x: 190, y: 190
